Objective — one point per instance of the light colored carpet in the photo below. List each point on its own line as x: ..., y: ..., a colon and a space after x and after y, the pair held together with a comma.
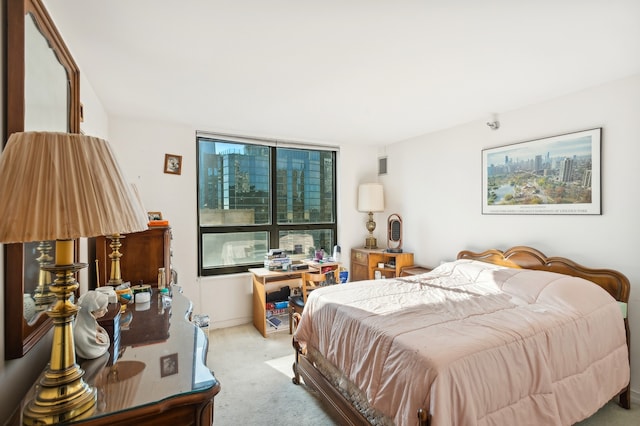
x: 614, y: 415
x: 255, y: 374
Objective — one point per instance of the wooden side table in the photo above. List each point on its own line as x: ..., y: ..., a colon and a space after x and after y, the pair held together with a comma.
x: 414, y: 270
x: 364, y: 263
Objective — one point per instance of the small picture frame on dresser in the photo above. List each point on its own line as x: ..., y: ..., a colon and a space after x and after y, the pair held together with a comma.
x: 154, y: 215
x: 168, y: 365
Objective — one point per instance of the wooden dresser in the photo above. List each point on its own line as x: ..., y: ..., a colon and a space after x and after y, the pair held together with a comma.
x: 142, y: 254
x: 160, y: 376
x: 364, y: 263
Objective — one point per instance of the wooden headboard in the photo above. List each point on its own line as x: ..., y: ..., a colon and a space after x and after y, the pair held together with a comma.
x: 614, y: 282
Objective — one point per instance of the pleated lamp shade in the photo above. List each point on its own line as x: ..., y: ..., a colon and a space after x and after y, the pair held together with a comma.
x: 63, y: 186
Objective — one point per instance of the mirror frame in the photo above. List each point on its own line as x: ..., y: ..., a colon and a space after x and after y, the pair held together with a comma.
x: 19, y: 340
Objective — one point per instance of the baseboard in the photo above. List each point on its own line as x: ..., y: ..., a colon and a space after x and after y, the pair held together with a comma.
x: 230, y: 323
x: 635, y: 397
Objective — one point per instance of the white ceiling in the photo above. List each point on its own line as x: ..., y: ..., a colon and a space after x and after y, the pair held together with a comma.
x: 343, y: 71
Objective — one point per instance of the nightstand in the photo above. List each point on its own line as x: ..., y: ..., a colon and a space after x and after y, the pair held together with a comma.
x: 364, y: 263
x: 413, y: 270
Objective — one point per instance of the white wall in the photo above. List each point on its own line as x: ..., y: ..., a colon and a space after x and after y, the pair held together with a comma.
x: 95, y: 119
x: 438, y: 177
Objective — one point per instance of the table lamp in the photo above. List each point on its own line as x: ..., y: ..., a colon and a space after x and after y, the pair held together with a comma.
x: 60, y: 186
x: 115, y: 276
x: 370, y: 199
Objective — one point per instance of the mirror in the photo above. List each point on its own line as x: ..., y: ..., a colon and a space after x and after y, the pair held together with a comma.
x: 42, y: 94
x: 45, y: 84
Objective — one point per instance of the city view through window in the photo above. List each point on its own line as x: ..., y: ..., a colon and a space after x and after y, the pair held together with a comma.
x: 243, y: 212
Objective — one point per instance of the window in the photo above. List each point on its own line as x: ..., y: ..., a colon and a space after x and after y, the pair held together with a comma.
x: 255, y: 196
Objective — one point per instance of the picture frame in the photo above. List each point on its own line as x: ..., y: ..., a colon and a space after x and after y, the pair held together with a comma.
x: 154, y: 215
x: 173, y: 164
x: 168, y: 365
x: 557, y: 175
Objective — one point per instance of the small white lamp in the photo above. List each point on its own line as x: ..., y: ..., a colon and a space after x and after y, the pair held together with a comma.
x: 370, y: 199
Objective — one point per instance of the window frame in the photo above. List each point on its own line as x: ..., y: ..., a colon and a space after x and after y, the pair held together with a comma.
x: 273, y: 228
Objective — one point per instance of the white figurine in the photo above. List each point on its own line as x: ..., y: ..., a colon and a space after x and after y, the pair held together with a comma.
x: 91, y: 340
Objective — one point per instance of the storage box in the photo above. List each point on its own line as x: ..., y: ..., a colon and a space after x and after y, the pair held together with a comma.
x: 281, y: 305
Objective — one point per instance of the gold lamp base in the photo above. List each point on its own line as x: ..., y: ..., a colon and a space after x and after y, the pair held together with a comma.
x: 61, y: 394
x: 42, y: 296
x: 371, y: 242
x: 115, y: 277
x: 60, y: 403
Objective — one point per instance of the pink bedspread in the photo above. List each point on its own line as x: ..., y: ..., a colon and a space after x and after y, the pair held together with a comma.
x: 476, y: 343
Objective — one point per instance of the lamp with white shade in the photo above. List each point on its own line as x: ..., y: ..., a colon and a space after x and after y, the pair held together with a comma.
x: 370, y: 200
x: 61, y: 186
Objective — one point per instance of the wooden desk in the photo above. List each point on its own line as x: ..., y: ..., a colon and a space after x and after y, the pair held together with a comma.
x: 265, y: 280
x: 154, y: 381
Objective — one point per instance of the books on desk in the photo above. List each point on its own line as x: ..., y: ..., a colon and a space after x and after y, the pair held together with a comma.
x: 274, y: 322
x: 277, y: 260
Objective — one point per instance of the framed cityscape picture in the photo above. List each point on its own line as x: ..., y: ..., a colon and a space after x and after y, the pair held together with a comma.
x: 554, y: 175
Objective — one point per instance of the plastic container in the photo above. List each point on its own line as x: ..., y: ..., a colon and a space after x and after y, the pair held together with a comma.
x: 336, y: 253
x: 161, y: 278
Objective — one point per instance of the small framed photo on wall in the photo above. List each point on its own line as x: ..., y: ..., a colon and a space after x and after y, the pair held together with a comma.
x: 173, y: 164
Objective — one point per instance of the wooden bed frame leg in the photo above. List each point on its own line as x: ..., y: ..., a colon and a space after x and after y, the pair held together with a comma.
x: 295, y: 317
x: 424, y: 418
x: 296, y: 375
x: 624, y: 398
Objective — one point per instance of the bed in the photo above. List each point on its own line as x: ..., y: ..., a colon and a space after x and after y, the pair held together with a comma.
x: 494, y: 337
